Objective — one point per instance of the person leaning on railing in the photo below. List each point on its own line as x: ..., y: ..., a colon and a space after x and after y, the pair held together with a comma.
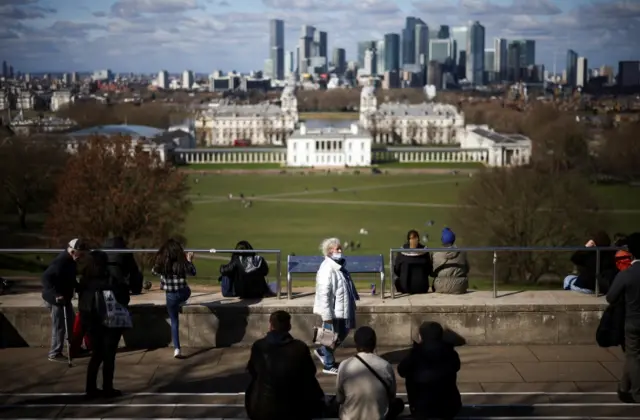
x: 173, y: 265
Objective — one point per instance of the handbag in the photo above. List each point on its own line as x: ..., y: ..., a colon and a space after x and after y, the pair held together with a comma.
x: 325, y: 337
x: 114, y: 315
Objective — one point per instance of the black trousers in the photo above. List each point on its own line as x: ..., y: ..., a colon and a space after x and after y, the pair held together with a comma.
x: 105, y: 345
x: 630, y: 381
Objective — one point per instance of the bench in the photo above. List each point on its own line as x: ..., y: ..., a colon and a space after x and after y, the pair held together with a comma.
x: 356, y: 264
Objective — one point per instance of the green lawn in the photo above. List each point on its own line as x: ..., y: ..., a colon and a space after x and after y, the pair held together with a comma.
x: 294, y: 212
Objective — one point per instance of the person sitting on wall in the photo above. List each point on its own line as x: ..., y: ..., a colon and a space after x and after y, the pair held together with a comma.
x: 283, y: 376
x: 430, y: 371
x: 623, y: 256
x: 586, y: 263
x: 450, y: 268
x: 244, y: 276
x: 413, y: 268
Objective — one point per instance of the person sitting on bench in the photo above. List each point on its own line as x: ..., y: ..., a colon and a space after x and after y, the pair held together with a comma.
x: 413, y: 267
x: 244, y: 276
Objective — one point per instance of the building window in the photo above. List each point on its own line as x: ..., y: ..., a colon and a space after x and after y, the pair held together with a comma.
x: 362, y: 145
x: 307, y: 144
x: 295, y: 158
x: 295, y: 143
x: 350, y: 146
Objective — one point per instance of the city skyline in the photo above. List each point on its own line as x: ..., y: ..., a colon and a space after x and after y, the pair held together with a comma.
x: 208, y: 35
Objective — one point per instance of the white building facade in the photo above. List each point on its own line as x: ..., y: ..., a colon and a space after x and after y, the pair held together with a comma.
x: 329, y: 147
x: 421, y: 124
x: 60, y: 99
x: 503, y: 149
x: 262, y: 124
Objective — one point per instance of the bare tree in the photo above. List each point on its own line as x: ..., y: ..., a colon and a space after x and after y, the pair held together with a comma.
x: 527, y: 207
x: 394, y: 137
x: 373, y: 126
x: 412, y: 132
x: 432, y: 133
x: 267, y: 130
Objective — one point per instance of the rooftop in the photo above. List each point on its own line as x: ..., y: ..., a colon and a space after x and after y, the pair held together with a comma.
x: 258, y: 110
x: 122, y: 129
x: 501, y: 138
x: 416, y: 110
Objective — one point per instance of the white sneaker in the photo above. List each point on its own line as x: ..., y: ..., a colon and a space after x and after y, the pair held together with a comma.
x: 318, y: 355
x: 177, y: 354
x: 332, y: 371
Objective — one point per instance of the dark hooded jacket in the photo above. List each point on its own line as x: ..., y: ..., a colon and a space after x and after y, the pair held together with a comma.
x: 413, y: 269
x: 430, y: 371
x: 123, y: 267
x: 247, y: 273
x: 283, y: 380
x: 59, y: 279
x: 586, y: 263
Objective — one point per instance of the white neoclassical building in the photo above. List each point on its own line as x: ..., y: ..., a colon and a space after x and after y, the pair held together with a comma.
x: 420, y: 124
x: 502, y: 149
x: 261, y: 124
x: 329, y: 147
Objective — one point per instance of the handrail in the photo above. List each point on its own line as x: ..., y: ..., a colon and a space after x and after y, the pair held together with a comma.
x: 150, y: 250
x: 495, y: 250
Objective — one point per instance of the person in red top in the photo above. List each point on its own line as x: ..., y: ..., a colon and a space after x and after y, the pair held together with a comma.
x: 623, y: 257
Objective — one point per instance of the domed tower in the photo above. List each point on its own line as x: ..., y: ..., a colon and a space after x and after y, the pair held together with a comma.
x: 368, y: 102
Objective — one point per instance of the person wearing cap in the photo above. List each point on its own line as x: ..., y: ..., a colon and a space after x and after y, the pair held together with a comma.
x: 450, y: 268
x: 58, y: 287
x: 366, y: 383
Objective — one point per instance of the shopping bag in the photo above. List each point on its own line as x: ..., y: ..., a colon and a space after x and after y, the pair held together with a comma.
x: 115, y: 315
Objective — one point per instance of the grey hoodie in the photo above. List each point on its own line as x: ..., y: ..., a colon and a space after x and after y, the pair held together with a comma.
x: 450, y: 267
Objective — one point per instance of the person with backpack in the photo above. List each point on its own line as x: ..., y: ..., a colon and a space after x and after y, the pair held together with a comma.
x: 173, y: 265
x: 244, y: 276
x: 95, y: 313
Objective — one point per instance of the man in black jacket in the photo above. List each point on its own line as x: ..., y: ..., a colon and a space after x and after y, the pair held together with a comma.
x: 627, y: 286
x: 58, y: 287
x: 283, y: 376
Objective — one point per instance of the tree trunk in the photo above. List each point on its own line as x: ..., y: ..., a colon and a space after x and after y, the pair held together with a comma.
x: 22, y: 217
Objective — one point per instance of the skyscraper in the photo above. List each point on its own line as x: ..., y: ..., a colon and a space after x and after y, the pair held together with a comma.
x: 409, y: 40
x: 441, y: 50
x: 527, y: 53
x: 320, y: 44
x: 380, y: 54
x: 370, y: 62
x: 391, y: 52
x: 514, y: 54
x: 500, y: 61
x: 489, y: 65
x: 572, y: 68
x: 5, y: 70
x: 289, y: 64
x: 422, y: 44
x: 362, y: 47
x: 475, y: 53
x: 582, y: 72
x: 443, y: 32
x: 340, y: 59
x: 460, y: 35
x: 276, y: 43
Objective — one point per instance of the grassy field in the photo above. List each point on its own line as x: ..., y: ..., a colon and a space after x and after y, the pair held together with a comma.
x: 329, y: 116
x: 385, y: 165
x: 294, y: 212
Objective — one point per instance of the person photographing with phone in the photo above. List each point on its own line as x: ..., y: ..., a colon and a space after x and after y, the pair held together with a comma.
x: 58, y: 287
x: 173, y: 265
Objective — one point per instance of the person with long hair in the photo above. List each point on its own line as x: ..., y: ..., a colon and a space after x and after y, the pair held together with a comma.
x: 96, y: 279
x: 246, y: 274
x: 173, y: 265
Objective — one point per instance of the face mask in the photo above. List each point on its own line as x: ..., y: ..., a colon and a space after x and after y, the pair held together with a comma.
x: 336, y: 256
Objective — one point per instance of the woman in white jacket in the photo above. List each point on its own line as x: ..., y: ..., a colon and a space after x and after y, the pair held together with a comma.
x: 335, y: 300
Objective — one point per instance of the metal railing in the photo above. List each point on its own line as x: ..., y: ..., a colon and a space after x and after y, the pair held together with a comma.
x: 495, y: 251
x: 277, y: 252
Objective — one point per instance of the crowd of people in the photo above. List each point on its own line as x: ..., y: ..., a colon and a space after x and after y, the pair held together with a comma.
x: 281, y: 367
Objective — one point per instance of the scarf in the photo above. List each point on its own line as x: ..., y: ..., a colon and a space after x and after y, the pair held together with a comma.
x: 352, y: 295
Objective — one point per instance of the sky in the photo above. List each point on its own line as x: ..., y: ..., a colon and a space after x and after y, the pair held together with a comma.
x: 207, y: 35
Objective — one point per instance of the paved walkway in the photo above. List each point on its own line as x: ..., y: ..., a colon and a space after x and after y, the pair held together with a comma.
x: 497, y: 381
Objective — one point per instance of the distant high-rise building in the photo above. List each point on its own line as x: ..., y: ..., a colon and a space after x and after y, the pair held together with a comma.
x: 320, y: 44
x: 188, y: 79
x: 276, y: 44
x: 392, y: 52
x: 163, y: 79
x: 442, y: 50
x: 380, y: 54
x: 514, y: 65
x: 444, y: 32
x: 500, y: 58
x: 572, y: 68
x: 362, y: 47
x: 289, y: 64
x: 475, y: 53
x: 11, y: 72
x: 434, y: 74
x: 527, y: 53
x: 460, y: 34
x: 628, y: 74
x: 268, y: 68
x: 65, y: 79
x: 409, y: 40
x: 304, y: 53
x: 422, y: 44
x: 489, y: 63
x: 5, y: 69
x: 582, y: 72
x: 340, y: 59
x: 370, y: 62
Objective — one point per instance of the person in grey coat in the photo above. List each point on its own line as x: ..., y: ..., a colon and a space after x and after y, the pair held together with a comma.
x: 450, y: 268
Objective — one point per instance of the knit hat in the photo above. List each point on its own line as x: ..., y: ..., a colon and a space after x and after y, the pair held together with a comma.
x: 448, y: 237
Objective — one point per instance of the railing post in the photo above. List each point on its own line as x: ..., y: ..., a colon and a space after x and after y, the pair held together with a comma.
x: 279, y: 275
x: 495, y: 274
x: 597, y: 291
x: 391, y: 285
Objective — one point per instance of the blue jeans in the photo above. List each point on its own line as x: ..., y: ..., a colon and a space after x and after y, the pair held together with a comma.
x: 174, y: 301
x: 569, y: 284
x: 339, y: 326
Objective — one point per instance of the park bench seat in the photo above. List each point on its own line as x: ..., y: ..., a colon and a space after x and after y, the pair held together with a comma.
x: 356, y: 264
